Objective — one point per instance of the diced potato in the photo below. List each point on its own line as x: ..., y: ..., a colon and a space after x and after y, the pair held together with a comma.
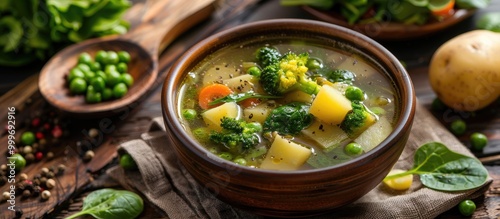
x: 375, y: 134
x: 257, y: 113
x: 297, y: 96
x: 213, y: 116
x: 218, y: 73
x: 285, y: 155
x: 242, y: 83
x: 325, y: 135
x: 330, y: 105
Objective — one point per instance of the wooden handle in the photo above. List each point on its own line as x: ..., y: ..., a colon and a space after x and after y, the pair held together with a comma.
x: 167, y: 19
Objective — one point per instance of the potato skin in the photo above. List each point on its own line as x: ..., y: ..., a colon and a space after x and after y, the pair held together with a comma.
x: 465, y: 71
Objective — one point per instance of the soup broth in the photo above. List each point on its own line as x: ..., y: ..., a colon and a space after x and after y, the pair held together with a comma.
x: 315, y: 136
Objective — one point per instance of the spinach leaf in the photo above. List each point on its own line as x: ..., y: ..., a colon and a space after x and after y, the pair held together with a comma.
x: 442, y: 169
x: 471, y: 4
x: 240, y: 97
x: 111, y: 204
x: 489, y: 21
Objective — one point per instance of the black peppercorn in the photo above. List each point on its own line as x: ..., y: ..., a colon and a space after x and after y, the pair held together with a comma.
x: 26, y: 193
x: 19, y: 213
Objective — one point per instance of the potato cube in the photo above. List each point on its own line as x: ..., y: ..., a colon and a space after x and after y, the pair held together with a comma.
x: 213, y: 116
x: 375, y: 134
x: 285, y: 155
x: 242, y: 83
x: 257, y: 113
x: 325, y: 135
x: 330, y: 105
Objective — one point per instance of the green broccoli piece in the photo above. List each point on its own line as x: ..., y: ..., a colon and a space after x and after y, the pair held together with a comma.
x: 288, y: 119
x: 267, y: 56
x: 358, y: 119
x: 288, y: 74
x: 237, y: 133
x: 339, y: 75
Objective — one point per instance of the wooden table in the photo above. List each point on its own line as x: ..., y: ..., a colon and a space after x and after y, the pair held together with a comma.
x: 80, y: 177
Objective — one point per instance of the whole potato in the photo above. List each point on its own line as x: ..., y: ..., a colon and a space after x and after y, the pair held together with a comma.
x: 465, y: 71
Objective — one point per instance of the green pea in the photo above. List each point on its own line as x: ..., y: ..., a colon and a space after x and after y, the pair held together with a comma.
x: 127, y: 162
x: 113, y: 78
x: 95, y: 66
x: 98, y: 83
x: 89, y: 75
x: 478, y: 141
x: 127, y: 79
x: 203, y: 135
x: 83, y: 67
x: 467, y: 207
x: 101, y: 56
x: 189, y: 114
x: 28, y: 138
x: 240, y: 161
x: 112, y: 58
x: 102, y: 75
x: 354, y: 93
x: 92, y: 95
x: 353, y: 149
x: 107, y: 93
x: 438, y: 105
x: 85, y: 58
x: 19, y: 161
x: 78, y: 86
x: 109, y: 68
x: 254, y: 70
x: 226, y: 156
x: 313, y: 64
x: 119, y: 90
x: 124, y: 56
x: 75, y: 73
x: 122, y: 67
x: 458, y: 127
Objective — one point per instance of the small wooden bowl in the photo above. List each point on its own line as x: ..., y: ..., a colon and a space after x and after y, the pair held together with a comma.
x: 54, y: 86
x: 392, y: 31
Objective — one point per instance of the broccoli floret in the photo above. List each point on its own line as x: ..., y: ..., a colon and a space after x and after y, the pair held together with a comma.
x: 339, y: 75
x: 237, y: 133
x: 288, y: 119
x: 288, y: 74
x: 358, y: 119
x: 267, y: 56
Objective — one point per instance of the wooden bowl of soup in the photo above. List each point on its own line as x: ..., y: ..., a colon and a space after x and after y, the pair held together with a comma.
x: 288, y: 117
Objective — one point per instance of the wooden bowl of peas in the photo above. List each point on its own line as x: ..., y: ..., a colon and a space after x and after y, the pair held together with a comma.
x: 288, y: 117
x: 97, y: 79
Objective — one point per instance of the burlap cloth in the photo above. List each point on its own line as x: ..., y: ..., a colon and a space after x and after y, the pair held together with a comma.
x: 165, y: 183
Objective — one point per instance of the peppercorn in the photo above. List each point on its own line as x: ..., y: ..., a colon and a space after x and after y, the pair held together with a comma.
x: 37, y: 190
x: 93, y: 132
x: 57, y: 132
x: 26, y: 193
x: 50, y: 184
x: 5, y: 196
x: 61, y: 168
x: 3, y: 167
x: 23, y: 176
x: 44, y: 171
x: 35, y: 122
x: 27, y: 149
x: 19, y: 213
x: 43, y: 180
x: 88, y: 155
x: 42, y: 142
x: 45, y: 195
x: 3, y: 180
x: 49, y: 155
x: 39, y: 135
x: 51, y: 175
x: 38, y: 155
x: 29, y: 157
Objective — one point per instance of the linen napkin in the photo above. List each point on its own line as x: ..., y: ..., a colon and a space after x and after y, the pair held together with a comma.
x: 165, y: 183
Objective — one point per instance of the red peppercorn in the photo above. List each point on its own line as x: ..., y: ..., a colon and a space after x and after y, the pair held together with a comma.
x: 39, y: 135
x: 46, y: 126
x: 57, y: 132
x: 35, y: 122
x: 39, y: 155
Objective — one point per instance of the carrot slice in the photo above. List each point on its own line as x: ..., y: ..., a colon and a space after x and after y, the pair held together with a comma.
x: 250, y: 102
x: 444, y: 11
x: 211, y: 93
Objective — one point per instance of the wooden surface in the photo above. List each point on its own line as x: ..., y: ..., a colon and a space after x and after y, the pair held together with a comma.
x: 81, y: 177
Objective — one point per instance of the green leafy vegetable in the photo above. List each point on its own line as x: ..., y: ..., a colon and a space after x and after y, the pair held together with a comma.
x: 442, y: 169
x: 34, y: 30
x: 240, y: 97
x: 111, y: 204
x: 471, y: 4
x: 289, y: 119
x: 489, y: 21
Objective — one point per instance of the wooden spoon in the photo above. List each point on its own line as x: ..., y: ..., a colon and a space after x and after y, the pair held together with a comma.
x: 163, y: 21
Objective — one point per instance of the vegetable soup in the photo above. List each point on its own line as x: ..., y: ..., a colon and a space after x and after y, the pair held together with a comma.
x: 287, y: 104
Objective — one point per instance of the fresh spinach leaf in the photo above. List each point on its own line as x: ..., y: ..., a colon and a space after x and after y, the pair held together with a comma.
x: 240, y: 97
x: 489, y: 21
x: 442, y: 169
x: 111, y: 204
